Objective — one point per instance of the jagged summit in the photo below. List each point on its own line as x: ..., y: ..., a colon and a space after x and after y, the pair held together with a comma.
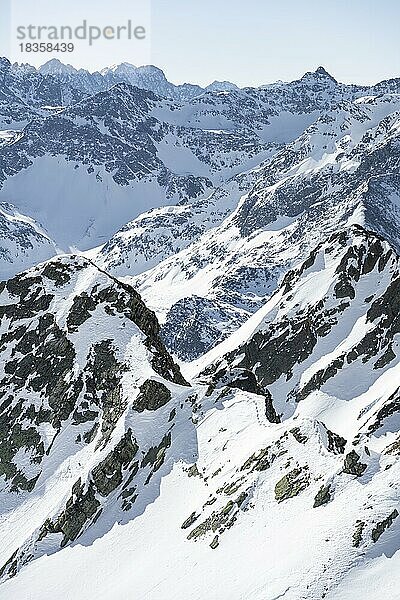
x: 4, y: 62
x: 119, y: 66
x: 221, y: 86
x: 324, y: 72
x: 320, y: 74
x: 55, y: 67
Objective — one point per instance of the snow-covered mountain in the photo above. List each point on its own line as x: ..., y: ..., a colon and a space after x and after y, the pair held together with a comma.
x: 343, y: 169
x: 113, y: 155
x: 23, y: 242
x: 199, y: 337
x: 290, y: 483
x: 125, y: 150
x: 89, y: 393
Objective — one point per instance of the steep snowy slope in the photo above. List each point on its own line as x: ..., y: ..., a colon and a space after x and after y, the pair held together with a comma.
x: 342, y: 170
x: 23, y: 243
x: 157, y: 234
x: 330, y: 329
x: 93, y: 409
x: 269, y: 509
x: 109, y: 158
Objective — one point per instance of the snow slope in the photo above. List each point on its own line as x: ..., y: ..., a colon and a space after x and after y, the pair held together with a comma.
x: 261, y: 226
x: 296, y: 509
x: 342, y: 170
x: 23, y: 242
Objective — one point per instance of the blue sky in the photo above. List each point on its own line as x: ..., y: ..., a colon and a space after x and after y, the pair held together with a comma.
x: 250, y: 42
x: 258, y: 41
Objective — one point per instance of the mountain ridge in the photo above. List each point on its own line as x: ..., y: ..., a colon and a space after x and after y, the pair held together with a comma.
x: 312, y: 456
x: 199, y: 337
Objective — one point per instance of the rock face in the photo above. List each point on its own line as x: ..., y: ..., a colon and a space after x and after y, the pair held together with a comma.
x: 268, y: 466
x: 383, y: 525
x: 291, y: 485
x: 341, y: 170
x: 308, y: 316
x: 352, y: 464
x: 82, y: 363
x: 152, y: 395
x: 323, y: 496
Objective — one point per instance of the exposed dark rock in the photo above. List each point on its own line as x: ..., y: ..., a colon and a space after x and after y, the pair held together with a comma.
x: 344, y: 289
x: 81, y: 509
x: 152, y: 396
x: 380, y: 527
x: 89, y: 436
x: 323, y: 496
x: 103, y: 386
x: 193, y: 471
x: 394, y: 448
x: 57, y: 272
x: 259, y: 461
x: 336, y: 443
x: 215, y: 543
x: 387, y: 357
x: 298, y: 435
x: 390, y: 408
x: 357, y: 535
x: 231, y: 488
x: 292, y: 484
x: 213, y: 523
x: 190, y: 520
x: 108, y: 474
x: 352, y: 464
x: 270, y: 411
x: 81, y: 311
x: 245, y: 380
x: 156, y: 455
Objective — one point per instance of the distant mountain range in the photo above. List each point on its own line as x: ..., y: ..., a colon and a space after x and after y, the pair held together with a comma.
x: 199, y: 337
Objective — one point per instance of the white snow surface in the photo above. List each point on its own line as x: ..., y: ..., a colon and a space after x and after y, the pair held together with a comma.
x: 271, y: 549
x: 232, y: 245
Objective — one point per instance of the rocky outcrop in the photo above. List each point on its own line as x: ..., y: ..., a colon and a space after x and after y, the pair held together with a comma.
x: 323, y: 496
x: 152, y: 396
x: 292, y: 484
x: 353, y: 464
x: 381, y: 527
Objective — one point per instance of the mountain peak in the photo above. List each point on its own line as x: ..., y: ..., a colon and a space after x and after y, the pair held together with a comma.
x: 320, y: 73
x: 4, y: 62
x: 221, y: 86
x: 55, y: 67
x: 117, y: 68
